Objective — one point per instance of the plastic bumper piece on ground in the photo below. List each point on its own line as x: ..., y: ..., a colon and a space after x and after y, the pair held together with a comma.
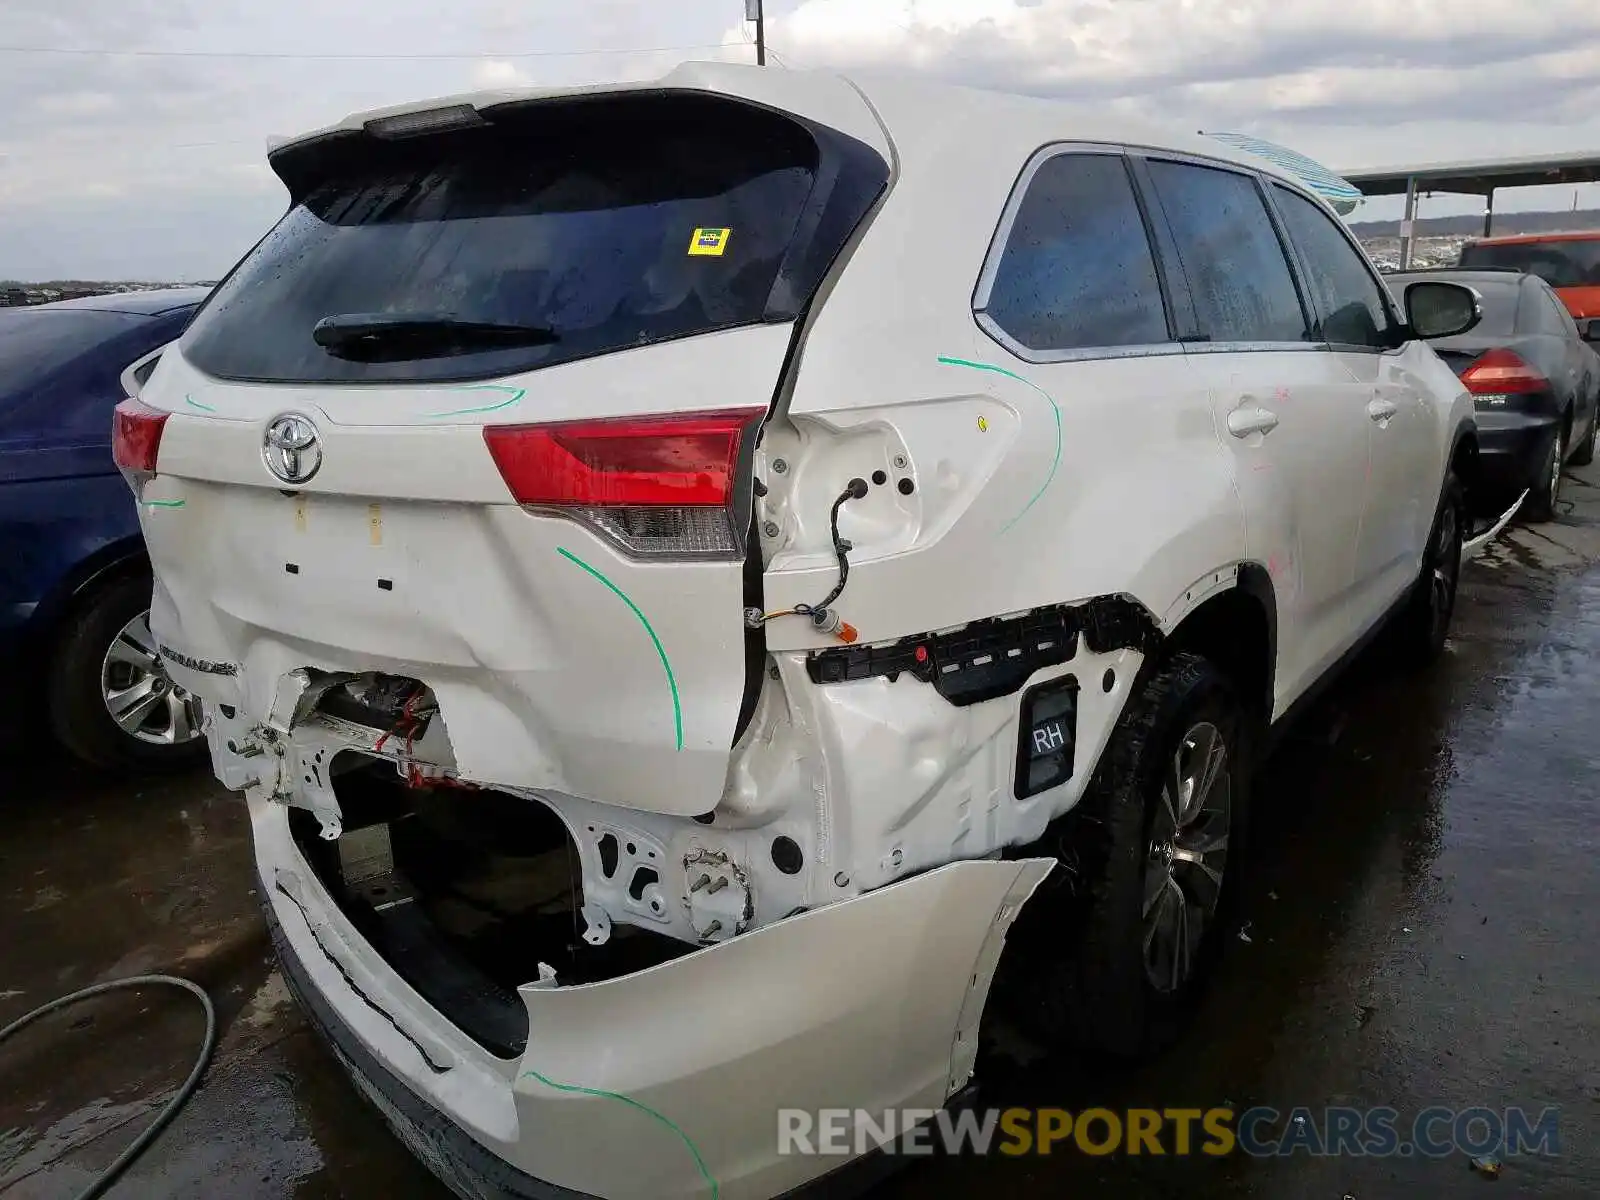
x: 668, y: 1082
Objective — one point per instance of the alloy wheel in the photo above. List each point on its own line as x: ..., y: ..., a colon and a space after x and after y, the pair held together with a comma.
x: 1556, y: 456
x: 1444, y: 566
x: 1188, y: 856
x: 141, y: 698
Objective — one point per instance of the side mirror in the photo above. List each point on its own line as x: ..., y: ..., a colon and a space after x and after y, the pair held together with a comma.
x: 1435, y: 309
x: 1590, y: 330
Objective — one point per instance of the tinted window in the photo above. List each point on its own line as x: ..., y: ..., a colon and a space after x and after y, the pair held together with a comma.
x: 1560, y: 264
x: 588, y: 227
x: 1556, y: 317
x: 1077, y: 271
x: 1241, y: 284
x: 1347, y: 294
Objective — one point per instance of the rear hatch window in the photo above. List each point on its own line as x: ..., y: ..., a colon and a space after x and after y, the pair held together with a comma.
x: 37, y: 344
x: 536, y: 235
x: 1558, y: 263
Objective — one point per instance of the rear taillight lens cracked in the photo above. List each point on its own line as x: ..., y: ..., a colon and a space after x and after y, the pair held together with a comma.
x: 674, y: 486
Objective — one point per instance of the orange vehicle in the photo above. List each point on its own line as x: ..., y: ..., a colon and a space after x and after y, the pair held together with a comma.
x: 1568, y: 262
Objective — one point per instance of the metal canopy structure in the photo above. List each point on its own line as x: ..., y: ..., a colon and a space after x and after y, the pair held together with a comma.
x: 1481, y: 177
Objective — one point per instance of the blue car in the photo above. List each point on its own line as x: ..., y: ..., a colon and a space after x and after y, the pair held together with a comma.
x: 74, y: 579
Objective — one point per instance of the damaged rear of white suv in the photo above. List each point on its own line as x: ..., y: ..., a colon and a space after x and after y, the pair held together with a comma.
x: 662, y: 561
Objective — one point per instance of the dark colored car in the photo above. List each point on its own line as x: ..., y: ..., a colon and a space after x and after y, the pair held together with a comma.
x: 74, y: 579
x: 1534, y: 379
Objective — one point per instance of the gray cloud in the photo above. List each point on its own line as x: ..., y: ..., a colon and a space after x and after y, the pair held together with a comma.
x: 154, y: 166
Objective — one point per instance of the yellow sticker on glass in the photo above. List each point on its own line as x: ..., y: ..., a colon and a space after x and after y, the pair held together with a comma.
x: 710, y: 242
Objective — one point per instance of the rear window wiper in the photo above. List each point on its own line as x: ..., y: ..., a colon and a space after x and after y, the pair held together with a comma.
x: 393, y: 337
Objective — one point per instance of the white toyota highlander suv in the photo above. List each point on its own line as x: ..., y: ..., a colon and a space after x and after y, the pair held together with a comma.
x: 673, y: 568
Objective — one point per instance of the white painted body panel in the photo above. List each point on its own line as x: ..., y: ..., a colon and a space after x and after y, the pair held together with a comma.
x: 539, y: 639
x: 1303, y: 487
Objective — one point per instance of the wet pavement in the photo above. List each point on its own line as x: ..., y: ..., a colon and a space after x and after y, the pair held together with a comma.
x: 1422, y: 932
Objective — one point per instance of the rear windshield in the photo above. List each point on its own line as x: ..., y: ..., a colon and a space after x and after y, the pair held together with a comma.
x: 552, y: 234
x: 35, y: 344
x: 1499, y: 305
x: 1560, y: 264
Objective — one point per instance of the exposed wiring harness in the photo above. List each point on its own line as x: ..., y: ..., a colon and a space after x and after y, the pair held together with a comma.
x: 123, y: 1161
x: 410, y: 724
x: 821, y: 613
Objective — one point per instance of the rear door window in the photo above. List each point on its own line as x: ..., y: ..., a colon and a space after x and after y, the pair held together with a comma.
x: 1077, y: 272
x: 1348, y: 295
x: 1238, y: 276
x: 548, y: 235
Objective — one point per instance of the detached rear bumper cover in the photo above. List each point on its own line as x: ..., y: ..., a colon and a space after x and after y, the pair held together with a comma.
x: 666, y: 1083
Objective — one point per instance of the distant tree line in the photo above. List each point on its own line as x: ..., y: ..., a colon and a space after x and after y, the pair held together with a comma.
x: 1504, y: 223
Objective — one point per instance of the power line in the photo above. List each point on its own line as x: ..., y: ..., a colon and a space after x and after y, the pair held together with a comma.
x: 271, y: 54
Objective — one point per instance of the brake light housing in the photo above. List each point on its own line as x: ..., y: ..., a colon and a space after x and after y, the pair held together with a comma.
x: 1496, y: 376
x: 674, y: 485
x: 136, y: 438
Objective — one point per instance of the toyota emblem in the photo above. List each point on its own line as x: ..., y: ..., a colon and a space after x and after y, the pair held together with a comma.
x: 291, y: 448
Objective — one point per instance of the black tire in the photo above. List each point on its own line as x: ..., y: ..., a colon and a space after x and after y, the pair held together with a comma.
x: 78, y: 713
x: 1546, y: 493
x: 1584, y: 454
x: 1423, y: 624
x: 1102, y: 997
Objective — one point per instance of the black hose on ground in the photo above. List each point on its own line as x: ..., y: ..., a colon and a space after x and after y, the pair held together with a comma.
x: 139, y: 1144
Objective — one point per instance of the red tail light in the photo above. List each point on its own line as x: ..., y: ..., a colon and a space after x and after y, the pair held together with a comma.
x: 661, y: 484
x: 136, y: 436
x: 1503, y: 373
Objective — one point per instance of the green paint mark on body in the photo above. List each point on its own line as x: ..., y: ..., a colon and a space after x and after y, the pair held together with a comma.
x: 512, y: 394
x: 164, y: 503
x: 193, y: 403
x: 1054, y: 408
x: 672, y: 680
x: 573, y: 1089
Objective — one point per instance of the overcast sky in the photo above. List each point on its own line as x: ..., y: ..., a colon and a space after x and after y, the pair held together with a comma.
x: 151, y: 163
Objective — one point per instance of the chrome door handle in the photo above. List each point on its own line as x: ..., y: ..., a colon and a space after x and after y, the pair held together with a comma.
x: 1242, y: 422
x: 1382, y: 410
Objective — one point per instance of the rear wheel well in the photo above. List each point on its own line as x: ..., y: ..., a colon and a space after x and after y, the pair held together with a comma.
x: 1464, y: 463
x: 104, y: 567
x: 1237, y: 632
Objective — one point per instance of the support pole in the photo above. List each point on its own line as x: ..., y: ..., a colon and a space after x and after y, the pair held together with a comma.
x: 1488, y: 214
x: 755, y: 10
x: 1408, y: 223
